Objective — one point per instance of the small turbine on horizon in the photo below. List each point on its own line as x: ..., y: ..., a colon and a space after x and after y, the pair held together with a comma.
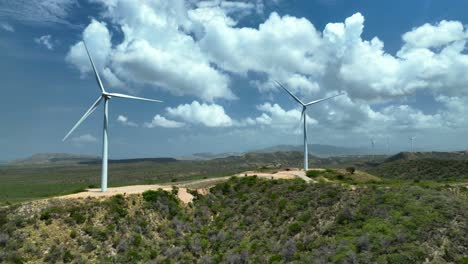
x: 412, y: 143
x: 304, y: 116
x: 106, y: 96
x: 388, y: 146
x: 373, y: 147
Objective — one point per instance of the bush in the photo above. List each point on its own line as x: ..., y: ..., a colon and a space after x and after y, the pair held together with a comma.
x: 313, y: 173
x: 175, y: 190
x: 118, y: 206
x: 4, y: 239
x: 294, y: 228
x: 164, y: 201
x: 77, y: 217
x: 351, y: 170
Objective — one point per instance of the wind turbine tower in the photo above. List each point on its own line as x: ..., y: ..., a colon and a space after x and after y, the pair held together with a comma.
x: 105, y: 96
x: 388, y: 146
x: 373, y: 147
x: 304, y: 116
x: 412, y: 143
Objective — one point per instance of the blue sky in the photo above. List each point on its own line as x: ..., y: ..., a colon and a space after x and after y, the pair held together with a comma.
x: 402, y: 65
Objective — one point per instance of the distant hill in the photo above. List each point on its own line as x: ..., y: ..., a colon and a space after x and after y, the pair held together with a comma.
x: 54, y: 158
x: 456, y: 155
x: 438, y: 166
x: 317, y: 150
x: 124, y: 161
x: 209, y: 155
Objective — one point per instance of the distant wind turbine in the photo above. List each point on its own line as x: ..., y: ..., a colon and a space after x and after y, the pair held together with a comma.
x: 106, y: 96
x: 373, y: 147
x: 388, y: 146
x: 412, y: 143
x: 303, y: 116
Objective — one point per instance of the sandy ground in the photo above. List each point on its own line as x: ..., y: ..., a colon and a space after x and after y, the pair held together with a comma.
x: 183, y: 195
x: 291, y: 174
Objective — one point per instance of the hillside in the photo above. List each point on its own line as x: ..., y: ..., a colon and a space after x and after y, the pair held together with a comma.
x: 26, y: 182
x: 245, y: 220
x: 315, y: 149
x: 437, y: 166
x: 54, y: 158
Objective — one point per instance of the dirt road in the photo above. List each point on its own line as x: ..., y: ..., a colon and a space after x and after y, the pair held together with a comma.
x: 200, y: 185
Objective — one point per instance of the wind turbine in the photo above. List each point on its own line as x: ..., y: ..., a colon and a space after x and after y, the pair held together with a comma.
x: 412, y: 141
x: 303, y: 116
x: 105, y: 96
x: 388, y: 146
x: 373, y: 147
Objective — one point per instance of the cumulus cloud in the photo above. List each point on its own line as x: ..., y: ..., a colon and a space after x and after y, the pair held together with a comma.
x: 161, y: 121
x: 275, y: 116
x: 157, y: 49
x: 433, y: 36
x: 210, y: 115
x: 86, y: 138
x: 124, y: 121
x: 45, y: 41
x: 98, y: 38
x: 7, y: 27
x: 195, y: 48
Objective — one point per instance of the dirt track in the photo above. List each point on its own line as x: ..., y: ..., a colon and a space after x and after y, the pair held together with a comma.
x: 183, y: 195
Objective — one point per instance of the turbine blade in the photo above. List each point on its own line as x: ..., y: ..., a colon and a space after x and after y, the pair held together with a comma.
x: 324, y: 99
x: 88, y: 113
x: 96, y: 74
x: 293, y: 96
x: 132, y: 97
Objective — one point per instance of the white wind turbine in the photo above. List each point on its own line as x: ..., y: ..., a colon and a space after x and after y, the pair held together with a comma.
x: 303, y: 116
x: 106, y: 96
x: 373, y: 147
x: 412, y: 143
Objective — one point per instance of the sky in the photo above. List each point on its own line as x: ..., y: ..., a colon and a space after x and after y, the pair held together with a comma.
x: 403, y: 66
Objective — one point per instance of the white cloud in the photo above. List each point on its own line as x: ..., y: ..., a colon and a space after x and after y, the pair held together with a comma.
x: 281, y: 47
x: 46, y: 41
x: 98, y: 39
x: 433, y: 36
x: 86, y: 138
x: 195, y: 48
x: 38, y: 12
x: 210, y: 115
x: 161, y: 121
x: 157, y: 49
x: 7, y: 27
x: 275, y: 116
x: 124, y: 121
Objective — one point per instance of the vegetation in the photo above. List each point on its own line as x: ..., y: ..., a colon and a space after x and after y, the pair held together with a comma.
x: 27, y: 182
x: 423, y: 169
x: 350, y: 170
x: 246, y: 220
x: 313, y: 173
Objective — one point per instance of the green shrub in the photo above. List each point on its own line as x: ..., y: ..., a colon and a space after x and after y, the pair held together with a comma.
x: 350, y: 170
x: 77, y: 217
x: 313, y: 173
x: 166, y: 202
x: 117, y: 205
x: 67, y: 257
x: 175, y: 190
x: 294, y: 228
